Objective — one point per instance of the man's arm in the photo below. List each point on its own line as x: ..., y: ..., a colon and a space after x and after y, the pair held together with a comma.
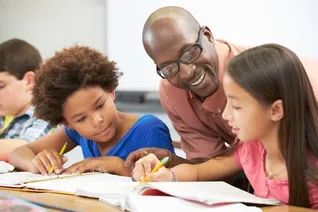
x: 160, y: 153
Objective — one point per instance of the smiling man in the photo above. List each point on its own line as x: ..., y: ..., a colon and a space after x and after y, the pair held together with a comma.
x: 191, y: 63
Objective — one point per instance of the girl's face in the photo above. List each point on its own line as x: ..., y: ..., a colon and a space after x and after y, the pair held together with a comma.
x: 92, y: 113
x: 247, y: 117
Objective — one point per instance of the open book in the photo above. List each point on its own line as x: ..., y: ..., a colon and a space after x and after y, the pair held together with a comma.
x: 207, y: 193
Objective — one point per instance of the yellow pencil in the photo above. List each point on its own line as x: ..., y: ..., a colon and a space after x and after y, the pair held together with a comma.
x: 159, y: 165
x: 61, y: 153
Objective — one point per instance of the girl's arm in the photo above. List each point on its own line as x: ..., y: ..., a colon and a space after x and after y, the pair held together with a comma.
x: 213, y: 169
x: 27, y: 157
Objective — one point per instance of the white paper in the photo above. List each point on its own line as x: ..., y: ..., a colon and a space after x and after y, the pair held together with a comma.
x: 137, y: 203
x: 208, y: 192
x: 5, y: 167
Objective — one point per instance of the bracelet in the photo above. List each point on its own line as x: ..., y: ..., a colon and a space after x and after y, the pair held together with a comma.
x: 174, y: 175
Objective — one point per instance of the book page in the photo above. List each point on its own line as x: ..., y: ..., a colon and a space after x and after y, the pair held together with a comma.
x: 206, y: 192
x: 5, y: 167
x: 91, y: 182
x: 136, y: 203
x: 20, y: 178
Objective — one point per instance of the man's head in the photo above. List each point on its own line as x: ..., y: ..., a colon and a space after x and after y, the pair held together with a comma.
x: 18, y: 61
x: 183, y: 51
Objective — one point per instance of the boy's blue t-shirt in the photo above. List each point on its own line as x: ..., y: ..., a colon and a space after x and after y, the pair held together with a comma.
x: 148, y: 131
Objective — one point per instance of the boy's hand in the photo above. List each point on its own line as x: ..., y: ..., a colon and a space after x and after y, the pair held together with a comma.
x: 49, y: 158
x: 106, y: 164
x: 144, y: 166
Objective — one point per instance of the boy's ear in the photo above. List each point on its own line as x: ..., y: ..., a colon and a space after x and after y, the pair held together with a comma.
x: 277, y: 110
x: 112, y: 94
x: 66, y: 124
x: 29, y: 78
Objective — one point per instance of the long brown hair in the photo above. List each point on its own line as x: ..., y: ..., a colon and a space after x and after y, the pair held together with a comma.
x: 271, y: 72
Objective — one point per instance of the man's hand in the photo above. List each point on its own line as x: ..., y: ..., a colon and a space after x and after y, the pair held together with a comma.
x: 140, y: 153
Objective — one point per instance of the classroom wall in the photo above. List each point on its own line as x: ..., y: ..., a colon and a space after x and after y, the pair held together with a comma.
x: 114, y: 27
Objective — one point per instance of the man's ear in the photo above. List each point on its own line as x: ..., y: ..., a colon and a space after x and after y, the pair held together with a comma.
x: 207, y: 32
x: 277, y: 110
x: 29, y: 78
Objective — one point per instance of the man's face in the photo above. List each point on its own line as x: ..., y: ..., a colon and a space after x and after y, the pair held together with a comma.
x: 171, y: 45
x: 15, y: 95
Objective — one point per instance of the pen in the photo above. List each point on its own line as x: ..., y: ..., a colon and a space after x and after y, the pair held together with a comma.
x: 61, y: 153
x: 158, y: 166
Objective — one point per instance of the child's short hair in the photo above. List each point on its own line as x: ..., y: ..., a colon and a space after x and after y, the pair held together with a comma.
x: 66, y: 72
x: 18, y: 57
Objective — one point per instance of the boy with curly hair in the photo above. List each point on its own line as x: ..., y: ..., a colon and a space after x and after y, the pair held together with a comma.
x: 76, y: 88
x: 18, y: 125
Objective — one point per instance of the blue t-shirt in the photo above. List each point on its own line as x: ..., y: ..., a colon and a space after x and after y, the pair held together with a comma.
x: 148, y: 131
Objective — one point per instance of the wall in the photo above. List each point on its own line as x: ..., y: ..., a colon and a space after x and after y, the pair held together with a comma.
x: 293, y: 23
x: 114, y: 27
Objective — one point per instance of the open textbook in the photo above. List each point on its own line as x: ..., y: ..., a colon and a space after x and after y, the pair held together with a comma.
x: 118, y: 190
x: 207, y: 193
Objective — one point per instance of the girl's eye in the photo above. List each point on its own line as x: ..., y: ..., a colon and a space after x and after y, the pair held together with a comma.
x: 236, y: 108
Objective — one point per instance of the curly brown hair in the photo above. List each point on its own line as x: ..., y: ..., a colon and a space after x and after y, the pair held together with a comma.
x: 66, y: 72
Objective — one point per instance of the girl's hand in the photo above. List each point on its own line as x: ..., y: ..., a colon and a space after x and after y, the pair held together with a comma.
x: 105, y: 164
x: 46, y: 159
x: 144, y: 166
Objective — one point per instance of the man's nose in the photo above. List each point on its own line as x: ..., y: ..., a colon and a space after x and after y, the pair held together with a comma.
x: 186, y: 70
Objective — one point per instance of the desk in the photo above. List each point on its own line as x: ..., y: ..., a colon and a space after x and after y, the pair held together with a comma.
x: 87, y: 204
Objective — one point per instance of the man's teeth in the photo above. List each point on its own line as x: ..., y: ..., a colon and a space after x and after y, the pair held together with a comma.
x: 199, y: 80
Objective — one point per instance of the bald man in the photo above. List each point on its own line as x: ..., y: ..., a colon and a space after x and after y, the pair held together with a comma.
x: 192, y: 63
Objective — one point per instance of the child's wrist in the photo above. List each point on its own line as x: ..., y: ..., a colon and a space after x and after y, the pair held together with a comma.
x: 174, y: 179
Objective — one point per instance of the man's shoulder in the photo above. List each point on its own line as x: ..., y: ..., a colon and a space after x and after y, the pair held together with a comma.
x: 235, y: 49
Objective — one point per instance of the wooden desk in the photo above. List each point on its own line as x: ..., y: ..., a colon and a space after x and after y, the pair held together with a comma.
x: 87, y: 204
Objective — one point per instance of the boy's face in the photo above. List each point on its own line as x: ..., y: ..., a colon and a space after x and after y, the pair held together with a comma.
x: 15, y: 95
x: 92, y: 113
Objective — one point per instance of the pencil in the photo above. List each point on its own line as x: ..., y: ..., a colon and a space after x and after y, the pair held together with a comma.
x: 61, y: 153
x: 158, y: 166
